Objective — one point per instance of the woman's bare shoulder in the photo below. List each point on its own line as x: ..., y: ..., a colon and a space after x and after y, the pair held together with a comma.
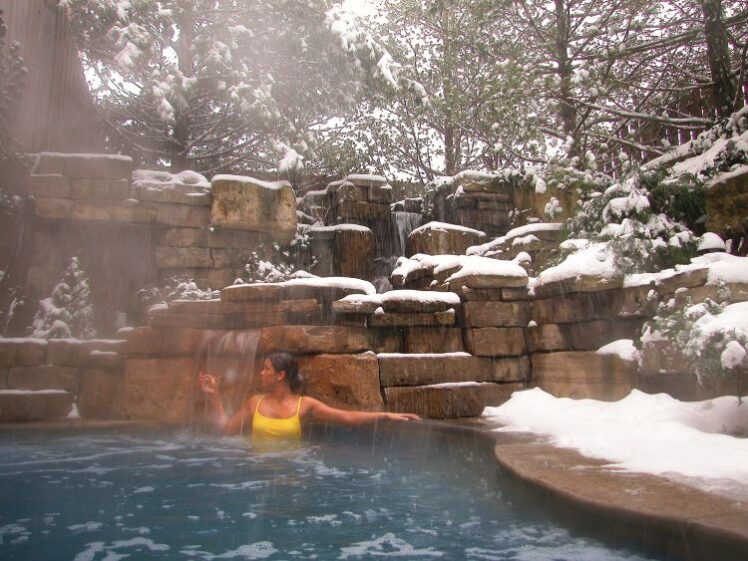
x: 252, y: 401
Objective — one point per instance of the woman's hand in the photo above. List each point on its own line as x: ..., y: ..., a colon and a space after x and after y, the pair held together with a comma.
x: 402, y: 417
x: 208, y: 383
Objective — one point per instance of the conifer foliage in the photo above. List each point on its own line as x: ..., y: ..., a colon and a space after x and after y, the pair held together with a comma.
x: 68, y: 312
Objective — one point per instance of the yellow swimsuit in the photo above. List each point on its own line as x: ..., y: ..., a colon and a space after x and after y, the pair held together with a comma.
x: 267, y: 428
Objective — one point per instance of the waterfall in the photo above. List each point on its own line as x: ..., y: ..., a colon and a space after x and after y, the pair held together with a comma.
x: 403, y: 224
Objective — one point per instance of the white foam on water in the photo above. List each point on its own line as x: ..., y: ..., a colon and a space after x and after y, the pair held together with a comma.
x: 257, y: 550
x: 325, y: 519
x: 250, y: 515
x: 147, y: 489
x: 89, y: 526
x: 388, y: 545
x: 14, y: 532
x: 94, y: 548
x: 241, y: 486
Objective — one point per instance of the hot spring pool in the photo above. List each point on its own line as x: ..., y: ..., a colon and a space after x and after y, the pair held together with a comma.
x: 110, y: 495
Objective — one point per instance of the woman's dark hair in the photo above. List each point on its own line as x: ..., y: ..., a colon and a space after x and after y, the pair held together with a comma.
x: 286, y: 362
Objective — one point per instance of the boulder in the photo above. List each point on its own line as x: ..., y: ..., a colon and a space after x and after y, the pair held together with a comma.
x: 159, y: 390
x: 439, y: 238
x: 252, y: 292
x: 24, y: 405
x: 583, y: 375
x: 75, y: 352
x: 727, y: 204
x: 347, y: 381
x: 219, y: 238
x: 100, y: 394
x: 244, y: 203
x: 151, y: 342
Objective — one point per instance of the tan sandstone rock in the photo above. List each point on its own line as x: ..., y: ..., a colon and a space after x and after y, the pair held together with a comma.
x: 346, y: 381
x: 244, y: 203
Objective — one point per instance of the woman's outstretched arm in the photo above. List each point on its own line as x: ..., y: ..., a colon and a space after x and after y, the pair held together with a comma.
x: 317, y: 410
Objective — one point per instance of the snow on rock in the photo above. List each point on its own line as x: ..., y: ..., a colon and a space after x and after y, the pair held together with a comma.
x: 423, y: 296
x: 154, y: 180
x: 733, y: 355
x: 447, y: 227
x: 722, y: 267
x: 686, y: 441
x: 272, y: 185
x: 344, y: 283
x: 519, y: 232
x: 591, y: 259
x: 473, y: 265
x: 711, y: 242
x: 339, y: 227
x: 732, y: 322
x: 623, y: 348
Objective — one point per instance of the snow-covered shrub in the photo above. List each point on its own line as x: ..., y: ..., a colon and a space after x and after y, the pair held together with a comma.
x: 641, y: 239
x: 68, y: 312
x: 709, y: 335
x: 275, y: 264
x: 682, y: 199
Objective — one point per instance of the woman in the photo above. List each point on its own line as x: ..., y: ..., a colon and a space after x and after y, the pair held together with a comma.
x: 276, y: 413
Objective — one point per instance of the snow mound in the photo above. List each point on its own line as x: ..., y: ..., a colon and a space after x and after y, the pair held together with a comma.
x: 686, y: 441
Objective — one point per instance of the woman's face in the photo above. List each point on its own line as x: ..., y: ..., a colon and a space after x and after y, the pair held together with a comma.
x: 269, y: 376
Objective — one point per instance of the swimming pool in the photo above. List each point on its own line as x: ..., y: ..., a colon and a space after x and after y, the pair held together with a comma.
x: 140, y: 494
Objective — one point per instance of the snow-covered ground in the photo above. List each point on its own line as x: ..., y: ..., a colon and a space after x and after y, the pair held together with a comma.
x: 689, y: 442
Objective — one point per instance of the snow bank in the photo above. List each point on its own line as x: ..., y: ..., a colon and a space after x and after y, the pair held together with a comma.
x: 623, y: 348
x: 642, y: 433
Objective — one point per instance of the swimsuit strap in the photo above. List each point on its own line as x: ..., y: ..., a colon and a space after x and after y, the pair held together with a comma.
x: 298, y: 406
x: 257, y: 407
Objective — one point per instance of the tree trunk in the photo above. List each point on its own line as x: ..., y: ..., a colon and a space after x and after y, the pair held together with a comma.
x: 718, y: 55
x: 181, y: 135
x: 451, y: 134
x: 566, y: 108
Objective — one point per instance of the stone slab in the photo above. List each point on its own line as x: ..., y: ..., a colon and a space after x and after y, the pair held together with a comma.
x: 53, y: 208
x: 425, y: 369
x: 303, y: 339
x: 252, y: 292
x: 495, y: 314
x: 193, y: 257
x: 186, y: 216
x: 113, y: 211
x: 383, y: 319
x: 75, y: 352
x: 495, y: 341
x: 448, y: 402
x: 49, y: 185
x: 213, y: 237
x: 433, y: 340
x: 23, y: 352
x: 43, y: 377
x: 107, y: 166
x: 347, y: 381
x: 34, y: 406
x: 580, y: 283
x: 591, y: 335
x: 543, y: 338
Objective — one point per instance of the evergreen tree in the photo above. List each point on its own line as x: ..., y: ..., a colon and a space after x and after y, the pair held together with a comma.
x: 68, y: 312
x: 219, y: 85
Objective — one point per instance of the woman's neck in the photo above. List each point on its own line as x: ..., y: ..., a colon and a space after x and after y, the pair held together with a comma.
x: 279, y: 393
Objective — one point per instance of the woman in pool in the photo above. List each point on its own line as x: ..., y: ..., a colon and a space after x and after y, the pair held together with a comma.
x: 276, y: 413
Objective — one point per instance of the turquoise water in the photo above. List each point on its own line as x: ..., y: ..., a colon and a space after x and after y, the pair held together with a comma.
x: 106, y: 496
